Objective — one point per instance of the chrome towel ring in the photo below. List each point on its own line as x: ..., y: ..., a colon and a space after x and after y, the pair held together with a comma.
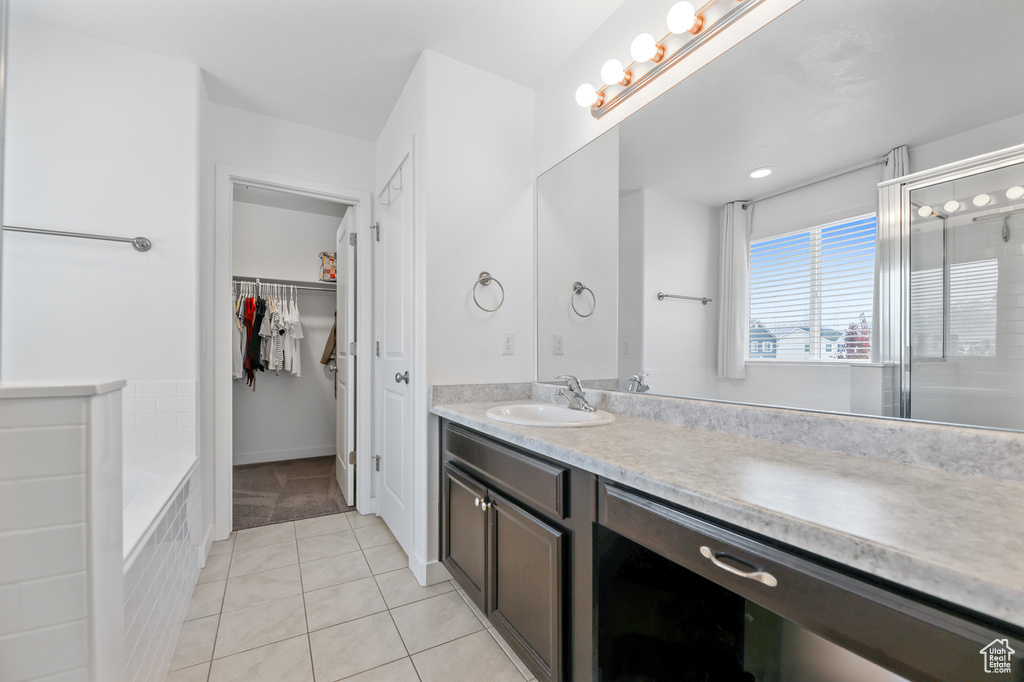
x: 485, y: 278
x: 577, y: 289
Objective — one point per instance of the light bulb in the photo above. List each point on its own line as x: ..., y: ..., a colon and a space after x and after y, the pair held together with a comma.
x: 586, y: 95
x: 1015, y: 192
x: 613, y: 73
x: 982, y: 200
x: 924, y: 211
x: 760, y: 172
x: 644, y: 48
x: 951, y: 206
x: 683, y: 17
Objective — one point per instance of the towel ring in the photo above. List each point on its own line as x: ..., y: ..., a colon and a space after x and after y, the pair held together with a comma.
x: 485, y: 279
x: 577, y: 289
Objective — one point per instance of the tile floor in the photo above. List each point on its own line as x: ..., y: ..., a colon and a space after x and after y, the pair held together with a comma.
x: 327, y: 599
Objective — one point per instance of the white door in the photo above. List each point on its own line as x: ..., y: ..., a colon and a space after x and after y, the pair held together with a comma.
x: 395, y: 374
x: 345, y: 376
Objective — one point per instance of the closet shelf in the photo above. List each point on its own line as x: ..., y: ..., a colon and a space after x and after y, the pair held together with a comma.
x: 297, y: 283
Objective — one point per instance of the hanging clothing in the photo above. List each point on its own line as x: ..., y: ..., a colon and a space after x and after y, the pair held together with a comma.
x: 266, y: 331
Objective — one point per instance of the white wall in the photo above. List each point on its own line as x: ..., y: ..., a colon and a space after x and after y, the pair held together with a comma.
x: 631, y: 286
x: 286, y: 417
x: 989, y: 138
x: 680, y: 257
x: 280, y: 243
x: 578, y: 240
x: 479, y: 191
x: 100, y: 139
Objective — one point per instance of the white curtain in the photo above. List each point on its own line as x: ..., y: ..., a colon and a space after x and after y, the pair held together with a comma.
x: 734, y: 290
x: 897, y: 164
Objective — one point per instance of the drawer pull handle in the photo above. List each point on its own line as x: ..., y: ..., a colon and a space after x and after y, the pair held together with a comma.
x: 760, y: 576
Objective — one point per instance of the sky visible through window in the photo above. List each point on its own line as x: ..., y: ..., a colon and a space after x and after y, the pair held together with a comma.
x: 828, y: 270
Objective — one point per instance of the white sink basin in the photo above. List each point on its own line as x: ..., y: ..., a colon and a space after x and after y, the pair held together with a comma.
x: 533, y: 414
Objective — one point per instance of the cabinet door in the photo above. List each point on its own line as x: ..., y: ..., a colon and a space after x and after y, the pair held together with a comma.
x: 526, y: 586
x: 465, y: 531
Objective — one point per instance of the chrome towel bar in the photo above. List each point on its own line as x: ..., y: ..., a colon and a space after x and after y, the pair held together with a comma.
x: 703, y: 300
x: 138, y: 243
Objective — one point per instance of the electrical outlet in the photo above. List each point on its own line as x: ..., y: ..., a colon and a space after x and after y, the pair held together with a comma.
x: 506, y: 343
x: 559, y: 344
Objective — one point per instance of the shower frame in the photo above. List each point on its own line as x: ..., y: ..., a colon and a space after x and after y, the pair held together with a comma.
x: 892, y: 342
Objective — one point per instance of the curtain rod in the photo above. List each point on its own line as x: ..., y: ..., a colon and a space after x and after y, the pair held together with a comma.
x: 830, y: 176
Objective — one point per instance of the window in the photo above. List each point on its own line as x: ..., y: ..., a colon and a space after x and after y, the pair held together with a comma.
x: 812, y: 290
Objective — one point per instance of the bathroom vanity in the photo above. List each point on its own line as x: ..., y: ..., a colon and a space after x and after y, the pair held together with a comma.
x: 648, y: 550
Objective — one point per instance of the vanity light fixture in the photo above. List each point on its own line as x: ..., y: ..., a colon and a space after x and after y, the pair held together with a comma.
x: 1015, y: 192
x: 758, y: 173
x: 925, y: 211
x: 683, y: 20
x: 982, y: 200
x: 951, y: 206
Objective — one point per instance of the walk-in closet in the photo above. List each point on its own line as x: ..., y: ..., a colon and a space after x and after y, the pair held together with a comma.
x: 284, y: 408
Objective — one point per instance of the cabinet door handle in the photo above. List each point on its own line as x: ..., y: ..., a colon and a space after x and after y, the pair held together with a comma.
x: 760, y: 576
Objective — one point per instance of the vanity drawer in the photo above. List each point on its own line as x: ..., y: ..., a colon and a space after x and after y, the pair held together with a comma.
x: 531, y: 480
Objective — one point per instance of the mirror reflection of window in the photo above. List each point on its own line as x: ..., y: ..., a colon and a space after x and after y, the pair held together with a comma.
x: 812, y: 291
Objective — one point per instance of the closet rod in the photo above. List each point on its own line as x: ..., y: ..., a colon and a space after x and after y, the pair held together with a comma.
x: 138, y: 243
x: 298, y: 284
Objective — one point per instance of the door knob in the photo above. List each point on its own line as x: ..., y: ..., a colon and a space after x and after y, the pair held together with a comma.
x: 399, y: 377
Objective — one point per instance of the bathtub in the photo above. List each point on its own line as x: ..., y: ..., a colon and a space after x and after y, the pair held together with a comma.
x: 162, y: 545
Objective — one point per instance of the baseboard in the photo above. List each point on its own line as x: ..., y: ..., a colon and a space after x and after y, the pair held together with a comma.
x: 204, y: 549
x: 240, y: 458
x: 428, y: 573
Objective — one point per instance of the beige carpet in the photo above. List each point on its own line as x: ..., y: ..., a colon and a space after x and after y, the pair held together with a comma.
x: 275, y: 492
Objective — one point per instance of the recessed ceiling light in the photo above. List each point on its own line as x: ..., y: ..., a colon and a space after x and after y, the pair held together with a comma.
x: 760, y: 172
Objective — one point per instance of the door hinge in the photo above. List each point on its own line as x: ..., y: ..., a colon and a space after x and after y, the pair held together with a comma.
x: 378, y: 349
x: 352, y: 239
x: 376, y: 228
x: 352, y: 348
x: 376, y: 462
x: 352, y: 458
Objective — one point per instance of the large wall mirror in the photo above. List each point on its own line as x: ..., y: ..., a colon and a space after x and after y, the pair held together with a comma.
x: 834, y: 98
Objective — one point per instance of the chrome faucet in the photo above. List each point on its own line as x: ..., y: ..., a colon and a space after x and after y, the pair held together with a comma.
x: 637, y: 385
x: 573, y: 392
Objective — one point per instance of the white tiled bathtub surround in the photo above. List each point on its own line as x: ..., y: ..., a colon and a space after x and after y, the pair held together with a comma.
x: 159, y: 576
x: 160, y: 418
x: 60, y: 532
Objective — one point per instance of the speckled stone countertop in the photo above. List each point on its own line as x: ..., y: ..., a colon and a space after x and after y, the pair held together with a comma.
x: 954, y: 536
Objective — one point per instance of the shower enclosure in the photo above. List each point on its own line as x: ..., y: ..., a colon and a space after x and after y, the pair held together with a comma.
x: 962, y: 254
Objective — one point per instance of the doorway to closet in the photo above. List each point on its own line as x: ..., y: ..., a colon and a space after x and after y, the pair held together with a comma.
x: 284, y: 395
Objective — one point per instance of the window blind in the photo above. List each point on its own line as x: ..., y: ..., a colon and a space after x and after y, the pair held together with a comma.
x: 811, y: 292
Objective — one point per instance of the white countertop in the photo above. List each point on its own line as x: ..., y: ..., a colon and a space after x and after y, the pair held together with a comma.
x: 954, y: 536
x: 58, y: 389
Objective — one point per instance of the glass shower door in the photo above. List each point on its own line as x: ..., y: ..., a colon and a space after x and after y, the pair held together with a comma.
x: 967, y: 300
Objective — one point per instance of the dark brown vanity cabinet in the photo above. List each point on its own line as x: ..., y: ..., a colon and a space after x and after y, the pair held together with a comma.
x: 507, y: 539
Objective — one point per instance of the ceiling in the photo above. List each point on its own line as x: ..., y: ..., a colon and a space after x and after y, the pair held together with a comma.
x: 826, y: 86
x: 331, y: 64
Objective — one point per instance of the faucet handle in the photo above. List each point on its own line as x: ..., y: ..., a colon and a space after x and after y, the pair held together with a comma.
x: 573, y: 383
